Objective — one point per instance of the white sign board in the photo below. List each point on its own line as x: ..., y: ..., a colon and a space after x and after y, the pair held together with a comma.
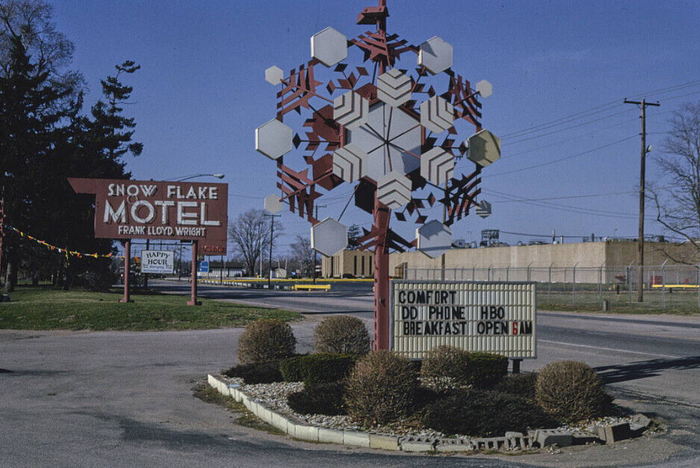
x: 158, y: 261
x: 493, y: 317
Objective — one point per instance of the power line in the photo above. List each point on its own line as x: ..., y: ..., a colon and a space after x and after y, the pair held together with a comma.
x: 564, y: 158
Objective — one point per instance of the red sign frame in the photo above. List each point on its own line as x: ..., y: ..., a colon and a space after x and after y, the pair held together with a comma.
x: 160, y: 210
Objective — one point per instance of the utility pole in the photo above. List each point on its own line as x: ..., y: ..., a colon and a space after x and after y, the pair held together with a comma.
x: 313, y: 273
x: 272, y: 237
x: 642, y: 177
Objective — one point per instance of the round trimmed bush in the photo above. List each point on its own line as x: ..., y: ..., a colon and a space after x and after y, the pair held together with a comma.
x: 571, y: 391
x: 342, y: 335
x: 381, y: 388
x: 484, y: 413
x: 325, y: 398
x: 447, y: 367
x: 266, y: 340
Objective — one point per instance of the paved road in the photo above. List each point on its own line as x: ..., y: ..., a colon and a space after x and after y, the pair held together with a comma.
x: 124, y: 399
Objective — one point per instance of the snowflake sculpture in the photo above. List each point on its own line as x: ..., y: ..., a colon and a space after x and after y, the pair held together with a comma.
x: 385, y: 126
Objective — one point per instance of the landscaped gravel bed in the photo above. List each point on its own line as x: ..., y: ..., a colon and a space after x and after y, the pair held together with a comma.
x: 274, y: 396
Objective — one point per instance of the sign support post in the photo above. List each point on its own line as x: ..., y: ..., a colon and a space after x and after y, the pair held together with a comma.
x: 193, y: 277
x: 381, y: 278
x: 127, y: 272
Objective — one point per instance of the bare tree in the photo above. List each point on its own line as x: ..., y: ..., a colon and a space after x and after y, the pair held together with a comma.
x: 678, y: 203
x: 303, y: 255
x: 250, y: 233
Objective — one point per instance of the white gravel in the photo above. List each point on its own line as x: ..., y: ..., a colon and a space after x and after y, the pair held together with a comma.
x: 274, y: 396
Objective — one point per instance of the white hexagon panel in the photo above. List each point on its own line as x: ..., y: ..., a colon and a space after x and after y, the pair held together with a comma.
x: 435, y: 54
x: 329, y: 237
x: 434, y: 238
x: 350, y: 109
x: 394, y: 88
x: 485, y: 88
x: 329, y: 46
x: 437, y: 165
x: 483, y: 209
x: 273, y: 139
x: 274, y: 75
x: 272, y: 204
x: 394, y: 190
x: 436, y: 114
x: 349, y: 162
x: 484, y: 148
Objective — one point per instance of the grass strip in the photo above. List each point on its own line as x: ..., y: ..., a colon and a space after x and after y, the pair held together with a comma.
x: 43, y: 308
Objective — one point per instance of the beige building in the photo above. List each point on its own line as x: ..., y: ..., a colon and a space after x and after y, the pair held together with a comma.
x: 586, y: 261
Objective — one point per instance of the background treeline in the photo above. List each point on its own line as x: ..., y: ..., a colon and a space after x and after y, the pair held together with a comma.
x: 47, y: 134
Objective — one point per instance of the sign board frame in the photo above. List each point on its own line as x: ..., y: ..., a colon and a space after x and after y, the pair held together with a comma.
x: 160, y: 210
x: 502, y: 299
x: 148, y: 267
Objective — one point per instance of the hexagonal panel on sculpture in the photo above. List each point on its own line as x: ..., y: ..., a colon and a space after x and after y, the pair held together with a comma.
x: 273, y: 139
x: 394, y: 190
x: 390, y: 138
x: 329, y: 46
x: 484, y: 88
x: 272, y: 204
x: 329, y: 237
x: 433, y: 238
x: 484, y: 148
x: 274, y: 75
x: 435, y: 54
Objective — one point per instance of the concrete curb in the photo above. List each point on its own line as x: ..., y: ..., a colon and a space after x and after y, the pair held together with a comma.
x: 512, y: 441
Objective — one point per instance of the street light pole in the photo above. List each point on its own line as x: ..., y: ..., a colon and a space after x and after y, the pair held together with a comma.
x: 272, y: 237
x: 313, y: 273
x: 181, y: 179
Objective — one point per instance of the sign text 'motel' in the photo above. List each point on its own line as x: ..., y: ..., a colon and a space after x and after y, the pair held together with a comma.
x: 126, y: 209
x: 476, y: 316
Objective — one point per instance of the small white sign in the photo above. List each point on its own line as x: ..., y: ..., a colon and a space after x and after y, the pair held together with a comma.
x: 494, y: 317
x: 158, y: 261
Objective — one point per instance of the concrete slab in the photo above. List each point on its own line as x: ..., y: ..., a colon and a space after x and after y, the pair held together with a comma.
x: 330, y: 436
x: 358, y: 439
x: 384, y: 442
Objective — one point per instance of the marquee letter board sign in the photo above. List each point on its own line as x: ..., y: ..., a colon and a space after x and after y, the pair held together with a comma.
x: 493, y: 317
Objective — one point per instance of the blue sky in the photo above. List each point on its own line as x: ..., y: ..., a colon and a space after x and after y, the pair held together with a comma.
x: 201, y: 93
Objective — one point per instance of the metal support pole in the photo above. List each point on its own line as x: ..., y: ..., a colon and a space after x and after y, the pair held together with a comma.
x: 221, y: 271
x: 381, y: 277
x: 516, y: 365
x: 127, y: 267
x: 193, y: 276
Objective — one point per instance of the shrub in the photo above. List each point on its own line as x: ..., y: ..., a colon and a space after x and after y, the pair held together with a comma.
x: 571, y: 391
x: 317, y: 368
x: 326, y: 398
x: 447, y: 367
x: 484, y: 413
x: 522, y: 385
x: 266, y: 340
x: 343, y: 335
x: 381, y: 388
x: 290, y: 369
x: 258, y: 372
x: 487, y: 369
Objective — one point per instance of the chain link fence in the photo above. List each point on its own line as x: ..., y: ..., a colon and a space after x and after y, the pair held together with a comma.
x: 612, y: 288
